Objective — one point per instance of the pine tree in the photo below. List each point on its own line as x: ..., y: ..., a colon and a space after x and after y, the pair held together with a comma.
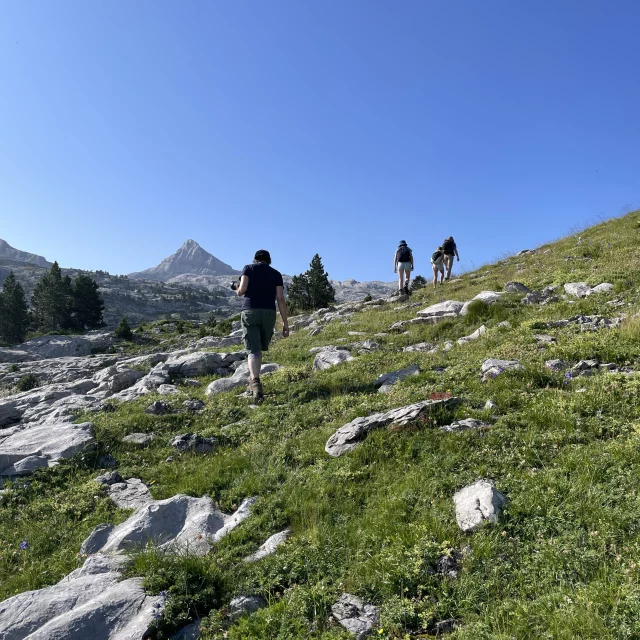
x: 88, y: 304
x: 123, y: 330
x: 52, y: 301
x: 14, y: 314
x: 419, y: 282
x: 320, y: 289
x: 312, y: 289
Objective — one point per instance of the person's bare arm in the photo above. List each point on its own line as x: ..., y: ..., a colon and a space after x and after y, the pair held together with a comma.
x: 457, y: 256
x: 395, y: 262
x: 282, y: 306
x: 244, y: 285
x: 412, y: 261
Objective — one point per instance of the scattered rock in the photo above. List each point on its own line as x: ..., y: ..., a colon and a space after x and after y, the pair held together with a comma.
x: 444, y: 627
x: 190, y: 632
x: 577, y: 289
x: 604, y: 287
x: 347, y: 437
x: 193, y: 442
x: 465, y: 425
x: 107, y: 461
x: 449, y: 564
x: 190, y: 382
x: 442, y: 310
x: 355, y: 615
x: 109, y: 478
x: 505, y: 324
x: 244, y: 605
x: 490, y: 405
x: 130, y: 494
x: 420, y: 346
x: 194, y: 405
x: 493, y: 367
x: 516, y: 287
x: 479, y: 332
x: 158, y: 408
x: 141, y: 439
x: 478, y: 503
x: 238, y: 379
x: 327, y: 359
x: 544, y: 339
x: 386, y: 381
x: 167, y: 390
x: 270, y: 546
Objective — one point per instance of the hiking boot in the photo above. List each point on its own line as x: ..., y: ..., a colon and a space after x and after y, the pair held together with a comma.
x: 407, y: 290
x: 255, y: 387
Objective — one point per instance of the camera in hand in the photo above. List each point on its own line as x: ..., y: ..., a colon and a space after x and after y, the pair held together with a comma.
x: 235, y: 285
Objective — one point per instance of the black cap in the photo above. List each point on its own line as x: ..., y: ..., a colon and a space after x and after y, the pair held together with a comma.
x: 402, y: 242
x: 262, y: 255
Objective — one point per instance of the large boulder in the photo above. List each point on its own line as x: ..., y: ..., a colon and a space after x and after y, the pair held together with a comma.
x: 347, y: 437
x: 477, y: 504
x: 355, y: 615
x: 91, y: 602
x: 330, y: 358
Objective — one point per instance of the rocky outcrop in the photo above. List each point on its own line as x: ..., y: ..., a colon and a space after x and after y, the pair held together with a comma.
x: 441, y: 311
x: 386, y: 381
x: 347, y: 437
x: 48, y: 347
x: 582, y: 289
x: 477, y: 504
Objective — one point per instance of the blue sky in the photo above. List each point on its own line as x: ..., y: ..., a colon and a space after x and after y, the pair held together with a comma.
x: 328, y: 126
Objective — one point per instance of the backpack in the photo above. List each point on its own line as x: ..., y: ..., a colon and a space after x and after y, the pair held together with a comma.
x: 404, y: 253
x: 448, y: 245
x: 436, y: 257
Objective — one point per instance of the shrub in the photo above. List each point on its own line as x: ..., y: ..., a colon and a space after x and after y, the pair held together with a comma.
x: 419, y: 282
x: 28, y: 382
x: 367, y: 298
x: 123, y: 330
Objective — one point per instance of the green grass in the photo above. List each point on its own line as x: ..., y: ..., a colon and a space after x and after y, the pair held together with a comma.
x: 563, y: 563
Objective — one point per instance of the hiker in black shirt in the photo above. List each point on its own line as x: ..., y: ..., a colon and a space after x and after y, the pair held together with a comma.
x: 262, y: 286
x: 450, y: 249
x: 403, y: 266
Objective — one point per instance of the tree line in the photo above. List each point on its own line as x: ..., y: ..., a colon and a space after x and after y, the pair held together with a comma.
x: 311, y: 289
x: 58, y: 303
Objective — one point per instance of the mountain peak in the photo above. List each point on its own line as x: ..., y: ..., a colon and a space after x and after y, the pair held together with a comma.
x: 7, y: 251
x: 190, y: 259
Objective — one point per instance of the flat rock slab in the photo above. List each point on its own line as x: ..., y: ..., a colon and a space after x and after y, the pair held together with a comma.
x: 130, y: 494
x: 270, y: 546
x: 355, y: 615
x: 556, y: 365
x: 477, y: 504
x: 450, y: 308
x: 92, y: 602
x: 493, y: 367
x: 386, y: 381
x: 577, y: 289
x: 55, y: 346
x: 193, y: 442
x: 420, y: 346
x: 245, y: 605
x: 516, y: 287
x: 49, y: 441
x: 180, y: 522
x: 347, y: 437
x: 140, y: 439
x: 327, y: 359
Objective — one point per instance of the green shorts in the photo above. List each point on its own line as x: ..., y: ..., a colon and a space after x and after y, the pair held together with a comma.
x: 257, y: 329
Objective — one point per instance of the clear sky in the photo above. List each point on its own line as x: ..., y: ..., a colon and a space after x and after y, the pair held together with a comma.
x: 330, y: 126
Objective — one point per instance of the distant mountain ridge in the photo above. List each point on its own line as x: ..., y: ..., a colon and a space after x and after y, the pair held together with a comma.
x: 189, y: 259
x: 9, y: 253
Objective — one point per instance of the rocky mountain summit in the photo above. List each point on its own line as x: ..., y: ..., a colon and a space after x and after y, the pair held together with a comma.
x: 7, y: 252
x: 189, y: 259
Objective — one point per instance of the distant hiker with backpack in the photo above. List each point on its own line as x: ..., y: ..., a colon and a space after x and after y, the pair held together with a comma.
x: 450, y: 249
x: 403, y: 266
x: 261, y: 286
x: 437, y: 264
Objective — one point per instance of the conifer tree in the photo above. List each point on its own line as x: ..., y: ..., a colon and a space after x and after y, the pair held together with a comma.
x: 312, y: 289
x: 88, y: 304
x: 14, y: 314
x: 123, y: 330
x: 52, y: 300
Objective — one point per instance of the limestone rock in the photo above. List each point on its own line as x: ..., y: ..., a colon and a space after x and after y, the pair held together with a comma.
x: 238, y: 379
x: 180, y: 522
x: 516, y: 287
x: 130, y: 494
x: 158, y: 408
x: 193, y: 442
x: 109, y: 478
x: 448, y: 309
x: 490, y: 405
x: 244, y: 605
x: 465, y: 425
x: 214, y: 342
x: 347, y: 437
x: 355, y: 615
x: 141, y: 439
x: 478, y: 503
x: 190, y: 632
x: 493, y: 367
x: 193, y: 405
x: 190, y: 382
x: 577, y: 289
x: 55, y: 346
x: 479, y: 332
x: 91, y: 602
x: 604, y: 287
x: 543, y: 339
x: 556, y: 365
x: 330, y: 347
x: 270, y: 546
x: 386, y: 381
x: 168, y: 390
x: 327, y: 359
x: 420, y: 346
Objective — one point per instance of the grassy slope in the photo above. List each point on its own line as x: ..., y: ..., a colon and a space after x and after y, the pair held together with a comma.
x: 562, y: 564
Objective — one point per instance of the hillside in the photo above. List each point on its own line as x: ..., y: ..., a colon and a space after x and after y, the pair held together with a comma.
x: 545, y: 546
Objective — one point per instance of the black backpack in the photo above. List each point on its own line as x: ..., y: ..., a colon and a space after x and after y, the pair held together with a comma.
x: 404, y: 253
x: 448, y: 245
x: 436, y: 256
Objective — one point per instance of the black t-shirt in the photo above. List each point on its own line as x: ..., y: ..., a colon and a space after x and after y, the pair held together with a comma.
x: 263, y: 280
